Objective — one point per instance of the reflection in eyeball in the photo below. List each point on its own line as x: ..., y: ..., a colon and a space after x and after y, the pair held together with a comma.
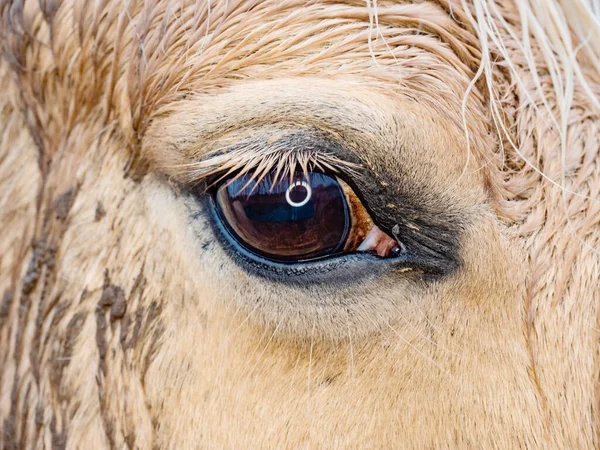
x: 298, y: 194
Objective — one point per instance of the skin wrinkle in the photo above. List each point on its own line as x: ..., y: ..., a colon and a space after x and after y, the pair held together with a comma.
x: 103, y: 103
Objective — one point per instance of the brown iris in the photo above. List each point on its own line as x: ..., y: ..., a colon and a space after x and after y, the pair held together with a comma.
x: 289, y: 220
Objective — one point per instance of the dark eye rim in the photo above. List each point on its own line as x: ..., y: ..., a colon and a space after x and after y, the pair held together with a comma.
x: 347, y: 268
x: 331, y: 270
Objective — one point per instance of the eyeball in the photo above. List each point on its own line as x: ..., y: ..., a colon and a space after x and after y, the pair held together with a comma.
x: 308, y: 216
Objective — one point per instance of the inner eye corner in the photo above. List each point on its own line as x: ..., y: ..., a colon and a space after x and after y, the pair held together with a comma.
x: 298, y: 218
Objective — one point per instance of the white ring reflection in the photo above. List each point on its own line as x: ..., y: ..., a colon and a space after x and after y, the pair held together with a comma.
x: 293, y: 186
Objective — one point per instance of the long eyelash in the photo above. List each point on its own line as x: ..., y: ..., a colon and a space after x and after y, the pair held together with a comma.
x: 261, y: 162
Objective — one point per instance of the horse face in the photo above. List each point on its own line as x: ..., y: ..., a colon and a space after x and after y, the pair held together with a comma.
x: 282, y: 224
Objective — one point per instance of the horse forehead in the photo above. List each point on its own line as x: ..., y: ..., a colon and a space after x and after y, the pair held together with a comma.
x: 134, y: 62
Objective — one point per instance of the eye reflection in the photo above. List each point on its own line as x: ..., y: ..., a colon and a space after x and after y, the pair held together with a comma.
x: 295, y: 220
x: 298, y: 194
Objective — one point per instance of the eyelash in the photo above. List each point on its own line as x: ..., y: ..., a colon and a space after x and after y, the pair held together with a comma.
x: 219, y: 164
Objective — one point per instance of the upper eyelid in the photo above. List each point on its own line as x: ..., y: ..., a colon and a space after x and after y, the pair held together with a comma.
x: 183, y: 132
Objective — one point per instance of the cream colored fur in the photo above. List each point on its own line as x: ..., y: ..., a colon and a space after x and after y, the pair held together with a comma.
x: 123, y: 323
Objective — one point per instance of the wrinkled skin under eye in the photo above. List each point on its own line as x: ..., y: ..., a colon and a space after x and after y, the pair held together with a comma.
x: 289, y: 220
x: 297, y: 219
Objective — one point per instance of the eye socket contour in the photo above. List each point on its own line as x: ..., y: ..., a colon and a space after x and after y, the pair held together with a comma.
x: 287, y: 220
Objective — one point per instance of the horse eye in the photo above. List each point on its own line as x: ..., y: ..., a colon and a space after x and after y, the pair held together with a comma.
x: 299, y: 218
